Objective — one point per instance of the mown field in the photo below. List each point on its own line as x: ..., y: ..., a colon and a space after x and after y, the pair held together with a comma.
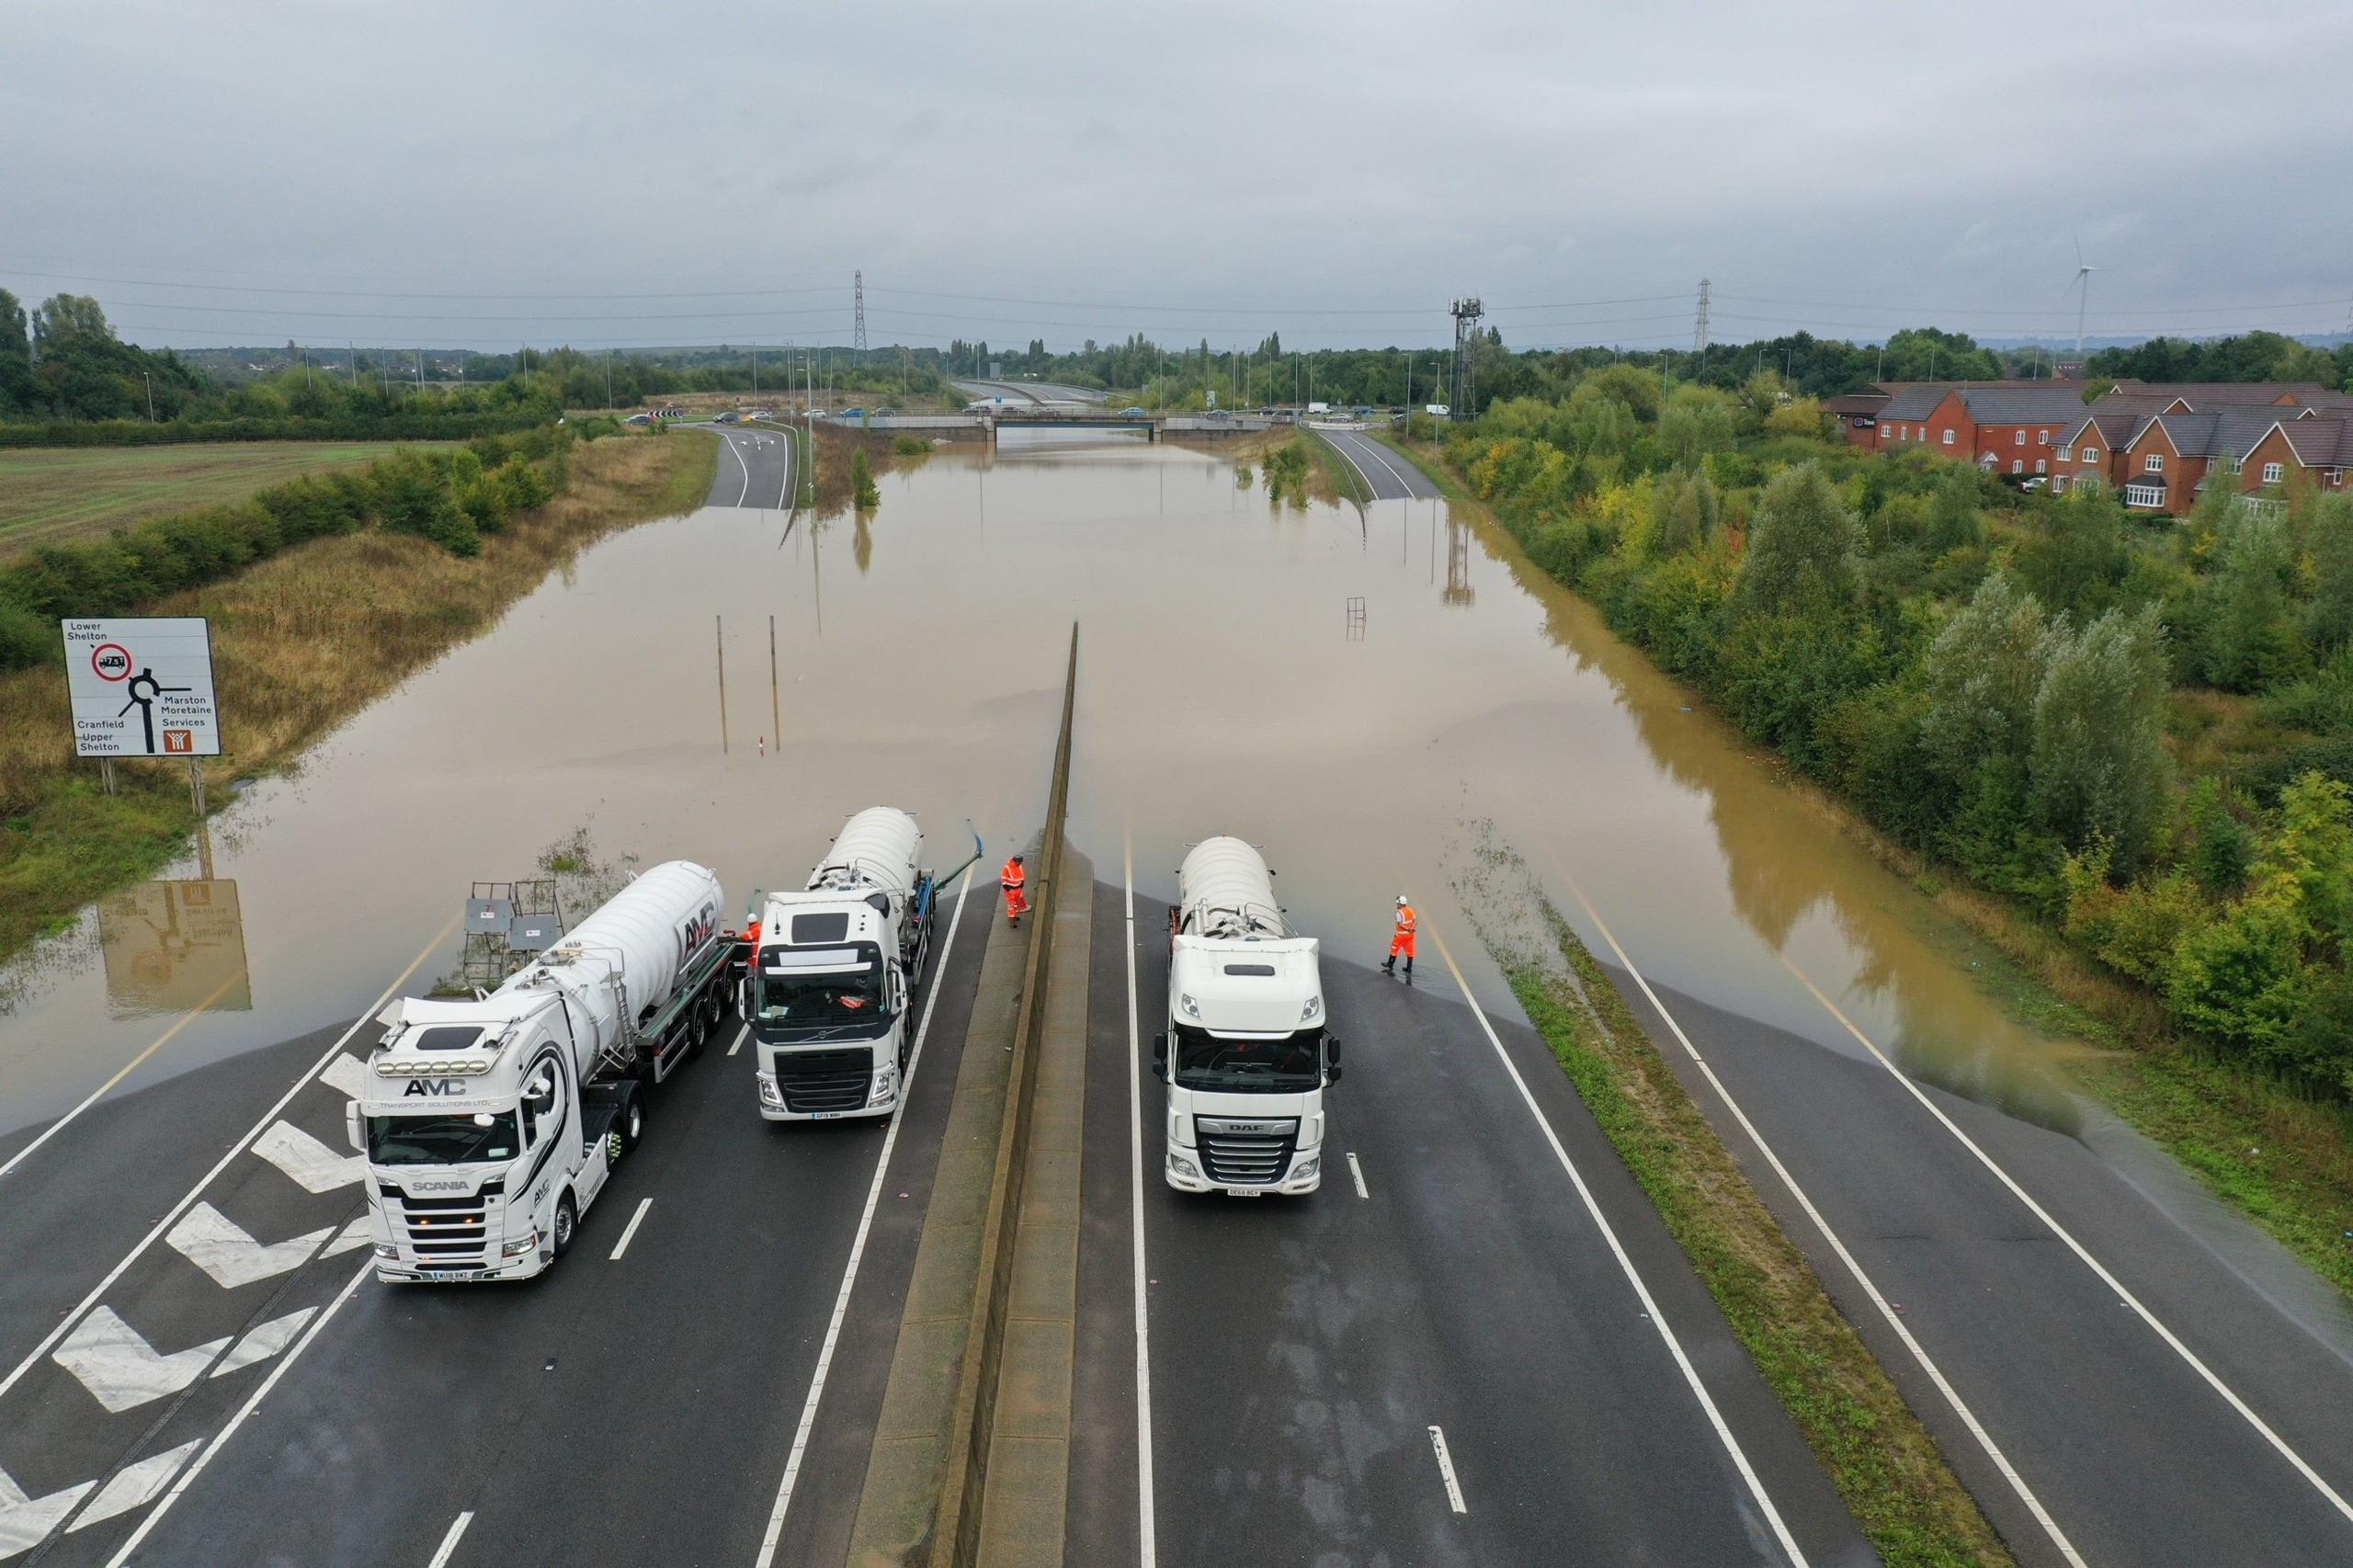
x: 51, y: 495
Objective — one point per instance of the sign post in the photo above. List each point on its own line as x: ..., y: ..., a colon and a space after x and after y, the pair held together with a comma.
x: 141, y: 685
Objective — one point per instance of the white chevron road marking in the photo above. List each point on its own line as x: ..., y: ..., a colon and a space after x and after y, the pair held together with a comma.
x: 24, y: 1522
x: 220, y: 1247
x: 347, y: 1074
x: 122, y: 1372
x: 356, y: 1234
x: 312, y: 1164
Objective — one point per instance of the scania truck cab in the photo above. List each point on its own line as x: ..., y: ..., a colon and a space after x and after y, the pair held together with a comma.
x: 1247, y: 1055
x: 489, y: 1125
x: 829, y: 990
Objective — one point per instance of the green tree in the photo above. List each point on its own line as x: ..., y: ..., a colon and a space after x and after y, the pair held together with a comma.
x: 861, y: 480
x: 2250, y: 638
x: 2328, y: 619
x: 18, y: 389
x: 1986, y: 671
x: 2098, y: 767
x: 2076, y: 555
x: 1697, y: 421
x: 1804, y: 554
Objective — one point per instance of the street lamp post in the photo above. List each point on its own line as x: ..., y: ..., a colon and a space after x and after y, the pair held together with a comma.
x: 151, y: 396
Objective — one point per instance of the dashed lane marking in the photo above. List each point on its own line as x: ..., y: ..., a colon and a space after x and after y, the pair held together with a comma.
x: 1633, y: 1277
x: 774, y: 1532
x: 1356, y: 1174
x: 449, y: 1542
x: 1446, y: 1470
x: 630, y: 1230
x: 1147, y: 1536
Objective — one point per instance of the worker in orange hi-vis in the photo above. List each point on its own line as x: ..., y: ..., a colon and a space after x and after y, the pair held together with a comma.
x: 1016, y: 902
x: 1400, y: 943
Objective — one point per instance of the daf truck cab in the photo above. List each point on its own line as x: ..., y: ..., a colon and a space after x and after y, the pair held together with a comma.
x: 491, y: 1125
x: 1247, y: 1055
x: 829, y: 991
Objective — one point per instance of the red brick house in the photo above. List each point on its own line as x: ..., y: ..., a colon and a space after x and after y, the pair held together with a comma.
x: 2320, y: 446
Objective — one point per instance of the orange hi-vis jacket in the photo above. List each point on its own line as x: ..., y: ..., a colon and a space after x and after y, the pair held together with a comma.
x: 1012, y: 879
x: 1403, y: 942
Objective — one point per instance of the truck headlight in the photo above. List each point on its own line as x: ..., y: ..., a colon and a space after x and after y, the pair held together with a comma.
x: 768, y: 1094
x: 518, y: 1248
x: 1183, y: 1166
x: 885, y: 1085
x: 387, y: 1252
x: 1307, y: 1168
x: 1312, y: 1011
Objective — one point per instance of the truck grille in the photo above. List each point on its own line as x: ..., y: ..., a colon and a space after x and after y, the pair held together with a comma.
x: 824, y: 1080
x: 1246, y: 1153
x: 446, y: 1231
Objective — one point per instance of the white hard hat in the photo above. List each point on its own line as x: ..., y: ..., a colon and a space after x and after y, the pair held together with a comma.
x: 1401, y: 901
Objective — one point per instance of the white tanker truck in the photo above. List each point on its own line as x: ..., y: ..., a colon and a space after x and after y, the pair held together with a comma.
x: 491, y: 1125
x: 828, y: 989
x: 1246, y: 1057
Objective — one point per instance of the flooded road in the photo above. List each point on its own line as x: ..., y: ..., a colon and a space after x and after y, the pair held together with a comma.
x: 1356, y: 692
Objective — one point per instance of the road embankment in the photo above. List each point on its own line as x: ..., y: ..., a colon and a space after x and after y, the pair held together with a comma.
x: 301, y: 642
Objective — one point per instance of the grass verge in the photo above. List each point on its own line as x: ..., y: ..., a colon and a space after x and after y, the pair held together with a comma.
x: 301, y: 642
x: 1885, y: 1465
x: 2281, y: 1160
x: 1339, y: 475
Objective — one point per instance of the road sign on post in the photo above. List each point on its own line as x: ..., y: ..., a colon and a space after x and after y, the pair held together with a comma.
x: 142, y: 686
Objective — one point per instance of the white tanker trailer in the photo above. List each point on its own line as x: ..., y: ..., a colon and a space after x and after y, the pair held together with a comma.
x: 1246, y: 1056
x: 491, y: 1125
x: 828, y: 987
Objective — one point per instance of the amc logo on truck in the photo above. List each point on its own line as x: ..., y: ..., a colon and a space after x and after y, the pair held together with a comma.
x: 431, y: 1086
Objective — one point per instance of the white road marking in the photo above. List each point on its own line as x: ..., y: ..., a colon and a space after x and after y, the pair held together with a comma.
x: 24, y: 1522
x: 857, y: 1244
x: 1446, y: 1470
x: 630, y: 1230
x: 359, y: 1233
x: 1381, y: 456
x: 122, y: 1372
x: 54, y: 1128
x: 348, y: 1076
x: 253, y: 1401
x: 741, y: 1036
x: 264, y: 1342
x: 223, y: 1249
x: 2173, y: 1341
x: 731, y: 452
x: 1148, y: 1547
x: 1968, y: 1417
x: 239, y: 1147
x: 1356, y: 1173
x: 1633, y: 1277
x: 1350, y: 458
x: 449, y: 1542
x: 311, y: 1165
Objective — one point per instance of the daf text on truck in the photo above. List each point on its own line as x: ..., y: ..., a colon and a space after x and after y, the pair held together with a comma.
x: 1246, y: 1056
x: 491, y: 1125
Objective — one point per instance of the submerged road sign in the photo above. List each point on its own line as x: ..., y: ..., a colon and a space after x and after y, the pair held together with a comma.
x: 142, y: 686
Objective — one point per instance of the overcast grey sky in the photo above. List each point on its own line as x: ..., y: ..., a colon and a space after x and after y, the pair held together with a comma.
x: 1187, y: 170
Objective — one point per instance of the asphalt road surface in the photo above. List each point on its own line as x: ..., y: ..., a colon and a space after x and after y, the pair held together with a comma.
x: 1306, y: 1356
x: 755, y: 471
x: 629, y: 1406
x: 1387, y: 476
x: 1034, y: 391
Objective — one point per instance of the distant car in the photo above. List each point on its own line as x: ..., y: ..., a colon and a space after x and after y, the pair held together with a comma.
x: 2035, y: 482
x: 1221, y: 413
x: 1135, y: 411
x: 729, y: 418
x: 853, y: 414
x: 639, y: 419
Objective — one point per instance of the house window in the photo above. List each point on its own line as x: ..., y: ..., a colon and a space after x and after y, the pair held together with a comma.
x: 2066, y: 454
x: 2091, y: 454
x: 2018, y: 438
x: 2144, y: 495
x: 2042, y: 437
x: 2333, y: 477
x: 2154, y: 464
x: 2017, y: 465
x: 1948, y: 435
x: 2274, y: 472
x: 2038, y: 465
x: 2231, y: 464
x: 2059, y: 485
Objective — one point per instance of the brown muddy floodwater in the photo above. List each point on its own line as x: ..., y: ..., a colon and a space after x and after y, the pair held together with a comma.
x: 1357, y: 693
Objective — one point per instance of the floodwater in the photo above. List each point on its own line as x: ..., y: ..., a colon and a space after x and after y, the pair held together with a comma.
x: 1376, y: 697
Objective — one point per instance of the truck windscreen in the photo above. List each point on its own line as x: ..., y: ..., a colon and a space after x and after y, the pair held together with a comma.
x: 1290, y: 1064
x: 837, y: 990
x: 442, y: 1140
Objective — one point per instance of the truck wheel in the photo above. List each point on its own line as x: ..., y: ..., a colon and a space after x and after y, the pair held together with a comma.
x: 632, y: 1120
x: 567, y: 1221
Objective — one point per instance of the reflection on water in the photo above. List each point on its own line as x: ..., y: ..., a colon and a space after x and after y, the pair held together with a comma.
x: 1345, y: 687
x: 174, y: 946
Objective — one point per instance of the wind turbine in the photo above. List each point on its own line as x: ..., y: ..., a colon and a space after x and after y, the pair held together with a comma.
x: 2083, y: 271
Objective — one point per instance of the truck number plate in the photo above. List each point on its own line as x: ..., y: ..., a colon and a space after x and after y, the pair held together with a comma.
x: 437, y: 1275
x: 1247, y: 1191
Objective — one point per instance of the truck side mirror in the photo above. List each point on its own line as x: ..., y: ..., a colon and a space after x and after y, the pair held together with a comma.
x: 351, y: 1127
x: 1160, y: 1057
x: 1332, y: 1050
x: 1331, y: 1073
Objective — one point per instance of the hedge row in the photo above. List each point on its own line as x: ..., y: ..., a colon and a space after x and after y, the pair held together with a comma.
x: 451, y: 497
x: 382, y: 428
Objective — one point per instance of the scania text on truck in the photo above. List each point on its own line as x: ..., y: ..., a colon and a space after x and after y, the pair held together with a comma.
x: 1247, y: 1055
x: 827, y: 994
x: 491, y: 1125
